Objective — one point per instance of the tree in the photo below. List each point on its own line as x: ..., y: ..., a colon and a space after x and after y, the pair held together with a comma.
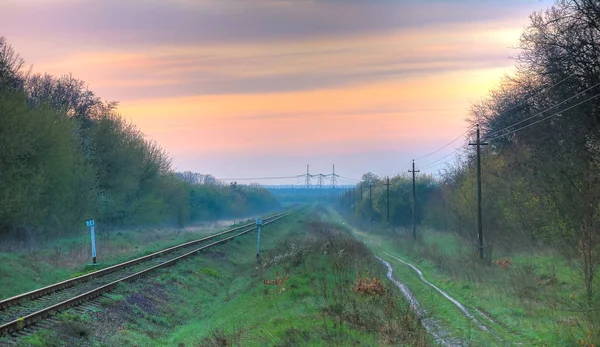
x: 67, y: 156
x: 555, y: 159
x: 69, y: 95
x: 12, y: 75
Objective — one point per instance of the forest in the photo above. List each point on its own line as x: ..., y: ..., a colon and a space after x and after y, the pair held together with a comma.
x: 540, y: 168
x: 67, y: 156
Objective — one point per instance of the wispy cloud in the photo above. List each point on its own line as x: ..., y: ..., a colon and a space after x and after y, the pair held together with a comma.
x: 320, y: 63
x: 322, y: 76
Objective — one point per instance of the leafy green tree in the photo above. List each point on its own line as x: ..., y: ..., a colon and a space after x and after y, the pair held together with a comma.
x: 45, y: 184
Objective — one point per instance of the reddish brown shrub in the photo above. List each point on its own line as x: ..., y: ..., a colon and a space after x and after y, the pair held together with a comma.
x: 366, y: 285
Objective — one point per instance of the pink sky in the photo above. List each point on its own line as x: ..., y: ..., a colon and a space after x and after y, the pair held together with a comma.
x: 251, y: 88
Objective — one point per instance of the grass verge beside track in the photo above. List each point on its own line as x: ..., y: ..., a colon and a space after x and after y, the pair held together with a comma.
x: 300, y: 294
x: 532, y: 301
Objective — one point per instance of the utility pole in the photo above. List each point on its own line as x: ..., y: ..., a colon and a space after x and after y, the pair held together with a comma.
x: 361, y: 199
x: 354, y: 200
x: 370, y: 206
x: 414, y: 201
x: 351, y: 199
x: 479, y: 223
x: 387, y: 184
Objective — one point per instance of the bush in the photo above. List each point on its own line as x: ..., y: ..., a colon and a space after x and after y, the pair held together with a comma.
x: 210, y: 272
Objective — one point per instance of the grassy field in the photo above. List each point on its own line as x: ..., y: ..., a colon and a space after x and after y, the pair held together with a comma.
x: 306, y: 290
x: 22, y: 271
x: 533, y: 299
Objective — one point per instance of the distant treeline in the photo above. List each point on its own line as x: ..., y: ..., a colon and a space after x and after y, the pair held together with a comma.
x: 375, y: 207
x: 302, y: 194
x: 67, y: 156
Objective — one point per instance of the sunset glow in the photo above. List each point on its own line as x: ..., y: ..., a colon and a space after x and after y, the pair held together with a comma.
x: 387, y: 82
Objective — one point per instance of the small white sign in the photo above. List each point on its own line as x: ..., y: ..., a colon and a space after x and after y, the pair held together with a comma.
x: 259, y: 221
x: 89, y: 223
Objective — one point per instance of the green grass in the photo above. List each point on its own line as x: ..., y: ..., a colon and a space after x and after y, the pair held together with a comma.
x: 20, y: 273
x: 220, y: 295
x: 521, y: 299
x: 69, y: 257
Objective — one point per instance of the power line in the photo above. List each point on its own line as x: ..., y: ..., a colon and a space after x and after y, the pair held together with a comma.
x: 545, y: 118
x: 503, y: 112
x: 539, y: 113
x: 446, y: 145
x: 537, y: 93
x: 427, y: 166
x: 437, y: 162
x: 348, y: 178
x: 257, y: 178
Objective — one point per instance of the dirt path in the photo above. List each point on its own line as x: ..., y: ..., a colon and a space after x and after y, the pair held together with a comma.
x: 440, y: 335
x: 460, y: 306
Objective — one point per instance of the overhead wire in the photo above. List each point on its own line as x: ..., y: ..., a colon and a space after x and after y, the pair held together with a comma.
x: 446, y: 145
x: 433, y: 163
x: 539, y: 113
x: 545, y: 118
x: 437, y: 162
x: 537, y: 93
x: 503, y: 112
x: 257, y: 178
x: 348, y: 178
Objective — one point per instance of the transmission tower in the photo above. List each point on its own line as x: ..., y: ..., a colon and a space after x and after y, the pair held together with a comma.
x: 321, y: 181
x: 333, y: 178
x: 307, y: 177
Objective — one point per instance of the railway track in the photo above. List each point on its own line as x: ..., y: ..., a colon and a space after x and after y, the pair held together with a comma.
x: 19, y: 313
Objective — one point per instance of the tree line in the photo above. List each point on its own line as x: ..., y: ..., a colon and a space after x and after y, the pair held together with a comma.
x: 67, y: 156
x: 541, y: 167
x: 368, y: 200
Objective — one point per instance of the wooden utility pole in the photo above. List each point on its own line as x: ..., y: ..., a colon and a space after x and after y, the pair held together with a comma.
x: 361, y: 201
x: 479, y: 223
x: 354, y: 200
x: 414, y: 201
x: 370, y: 206
x: 350, y: 198
x: 387, y: 184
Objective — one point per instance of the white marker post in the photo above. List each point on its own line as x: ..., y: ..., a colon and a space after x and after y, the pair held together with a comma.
x: 90, y: 223
x: 258, y: 225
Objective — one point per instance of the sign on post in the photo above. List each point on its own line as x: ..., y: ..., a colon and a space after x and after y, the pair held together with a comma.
x: 90, y: 223
x: 258, y: 225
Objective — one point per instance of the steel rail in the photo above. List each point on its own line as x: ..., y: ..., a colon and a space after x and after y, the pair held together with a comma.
x: 21, y: 323
x: 34, y: 294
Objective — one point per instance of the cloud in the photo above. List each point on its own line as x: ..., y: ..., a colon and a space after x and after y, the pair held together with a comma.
x: 84, y: 24
x: 132, y: 50
x: 265, y: 67
x: 283, y: 78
